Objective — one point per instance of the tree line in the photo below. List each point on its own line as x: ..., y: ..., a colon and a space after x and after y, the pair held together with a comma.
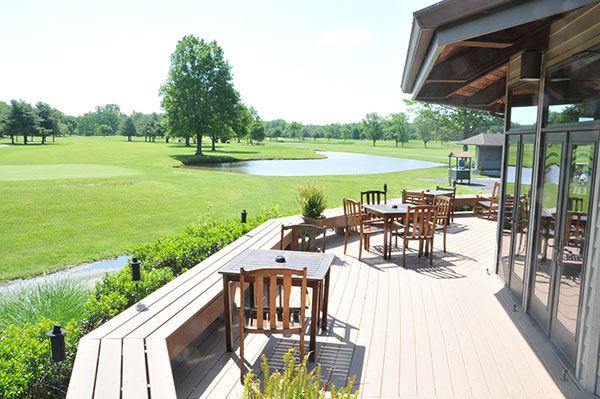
x: 200, y: 100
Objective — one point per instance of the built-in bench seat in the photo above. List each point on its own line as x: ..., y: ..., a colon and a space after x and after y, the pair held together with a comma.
x: 130, y: 355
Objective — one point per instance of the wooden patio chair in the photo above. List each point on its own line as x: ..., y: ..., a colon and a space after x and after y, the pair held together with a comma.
x: 442, y: 215
x: 488, y: 205
x: 356, y: 223
x: 419, y: 225
x: 372, y: 197
x: 414, y: 197
x: 304, y: 237
x: 452, y: 195
x: 252, y: 319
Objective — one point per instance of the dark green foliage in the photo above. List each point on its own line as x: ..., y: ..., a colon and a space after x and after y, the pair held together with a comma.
x: 26, y: 369
x: 257, y: 131
x: 294, y: 381
x: 48, y: 120
x: 373, y: 127
x: 116, y: 292
x: 196, y: 243
x: 198, y: 96
x: 22, y: 120
x: 128, y: 128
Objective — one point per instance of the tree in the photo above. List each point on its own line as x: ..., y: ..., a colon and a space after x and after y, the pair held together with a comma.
x: 109, y: 114
x: 242, y: 122
x: 397, y: 127
x: 22, y: 119
x: 198, y: 95
x: 294, y: 129
x: 104, y: 130
x: 128, y: 128
x: 373, y: 126
x: 49, y: 122
x: 425, y: 126
x: 257, y: 131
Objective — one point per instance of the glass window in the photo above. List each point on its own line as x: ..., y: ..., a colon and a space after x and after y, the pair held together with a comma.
x: 523, y: 105
x: 573, y: 90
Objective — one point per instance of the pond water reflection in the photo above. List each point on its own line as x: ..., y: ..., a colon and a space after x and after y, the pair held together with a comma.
x: 336, y: 163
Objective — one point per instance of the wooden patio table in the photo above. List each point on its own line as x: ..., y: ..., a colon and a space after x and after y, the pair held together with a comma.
x: 433, y: 194
x: 387, y: 212
x: 318, y: 269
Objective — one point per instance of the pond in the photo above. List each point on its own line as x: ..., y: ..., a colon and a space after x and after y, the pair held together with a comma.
x: 336, y: 163
x: 87, y: 273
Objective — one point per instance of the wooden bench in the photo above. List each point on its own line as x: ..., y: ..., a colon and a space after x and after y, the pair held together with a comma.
x: 130, y: 355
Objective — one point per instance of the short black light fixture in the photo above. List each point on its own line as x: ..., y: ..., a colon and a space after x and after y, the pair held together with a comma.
x: 57, y: 343
x: 244, y: 216
x: 531, y: 65
x: 135, y: 269
x: 385, y: 187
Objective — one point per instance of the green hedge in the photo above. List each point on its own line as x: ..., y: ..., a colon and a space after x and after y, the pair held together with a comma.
x: 26, y: 370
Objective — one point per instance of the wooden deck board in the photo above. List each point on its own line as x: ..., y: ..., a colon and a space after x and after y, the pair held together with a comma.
x: 446, y: 331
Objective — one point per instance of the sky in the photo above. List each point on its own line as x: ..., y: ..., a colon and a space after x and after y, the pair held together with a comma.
x: 307, y: 61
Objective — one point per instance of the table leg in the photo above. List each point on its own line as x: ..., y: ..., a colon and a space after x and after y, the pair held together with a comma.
x: 325, y: 301
x: 314, y: 321
x: 227, y: 314
x: 385, y: 237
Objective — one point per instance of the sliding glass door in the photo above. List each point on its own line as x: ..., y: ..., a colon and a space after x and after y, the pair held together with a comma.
x: 563, y: 230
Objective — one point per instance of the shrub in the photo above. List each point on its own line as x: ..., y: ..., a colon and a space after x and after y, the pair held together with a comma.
x: 116, y: 292
x: 26, y: 368
x: 312, y: 200
x: 294, y: 382
x: 196, y: 242
x: 58, y: 299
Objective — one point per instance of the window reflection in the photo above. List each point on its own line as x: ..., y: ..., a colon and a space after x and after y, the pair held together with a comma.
x: 523, y: 105
x: 574, y: 90
x: 574, y: 235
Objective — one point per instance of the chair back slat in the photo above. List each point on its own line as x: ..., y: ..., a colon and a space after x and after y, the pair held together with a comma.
x: 373, y: 197
x: 353, y: 214
x: 419, y: 222
x: 304, y: 237
x: 414, y: 197
x: 443, y: 208
x: 287, y: 289
x: 259, y: 301
x: 273, y: 301
x: 273, y: 278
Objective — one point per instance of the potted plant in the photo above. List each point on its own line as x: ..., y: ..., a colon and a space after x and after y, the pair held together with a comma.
x: 312, y: 202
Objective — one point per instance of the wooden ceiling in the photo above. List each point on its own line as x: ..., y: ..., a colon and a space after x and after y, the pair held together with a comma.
x: 472, y: 73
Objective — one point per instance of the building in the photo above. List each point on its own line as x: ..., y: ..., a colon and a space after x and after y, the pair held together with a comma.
x: 538, y: 63
x: 488, y: 152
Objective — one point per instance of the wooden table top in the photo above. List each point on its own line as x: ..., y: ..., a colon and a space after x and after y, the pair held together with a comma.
x: 435, y: 193
x: 388, y: 209
x: 317, y: 263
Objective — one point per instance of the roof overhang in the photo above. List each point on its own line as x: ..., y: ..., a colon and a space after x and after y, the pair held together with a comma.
x: 487, y: 32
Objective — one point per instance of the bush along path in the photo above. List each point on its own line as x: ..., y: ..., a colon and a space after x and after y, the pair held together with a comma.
x: 26, y: 368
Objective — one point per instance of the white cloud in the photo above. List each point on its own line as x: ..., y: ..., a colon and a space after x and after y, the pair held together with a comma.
x: 344, y: 37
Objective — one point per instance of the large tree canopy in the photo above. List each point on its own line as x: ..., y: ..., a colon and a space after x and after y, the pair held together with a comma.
x: 22, y: 119
x: 198, y: 95
x: 373, y: 127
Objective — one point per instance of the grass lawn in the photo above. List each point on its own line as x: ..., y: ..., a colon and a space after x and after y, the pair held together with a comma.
x: 82, y: 199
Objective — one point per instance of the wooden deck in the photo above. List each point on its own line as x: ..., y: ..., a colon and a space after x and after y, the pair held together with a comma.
x: 447, y: 331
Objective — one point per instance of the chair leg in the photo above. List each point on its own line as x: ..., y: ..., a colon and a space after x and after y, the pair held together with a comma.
x: 405, y: 243
x: 431, y: 252
x: 360, y: 246
x: 445, y: 227
x: 345, y: 240
x: 242, y: 366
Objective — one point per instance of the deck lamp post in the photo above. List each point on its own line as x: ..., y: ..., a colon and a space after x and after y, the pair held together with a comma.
x: 244, y: 216
x: 57, y: 343
x: 135, y: 269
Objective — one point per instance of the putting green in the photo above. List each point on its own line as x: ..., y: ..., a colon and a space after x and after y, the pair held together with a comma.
x: 62, y: 171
